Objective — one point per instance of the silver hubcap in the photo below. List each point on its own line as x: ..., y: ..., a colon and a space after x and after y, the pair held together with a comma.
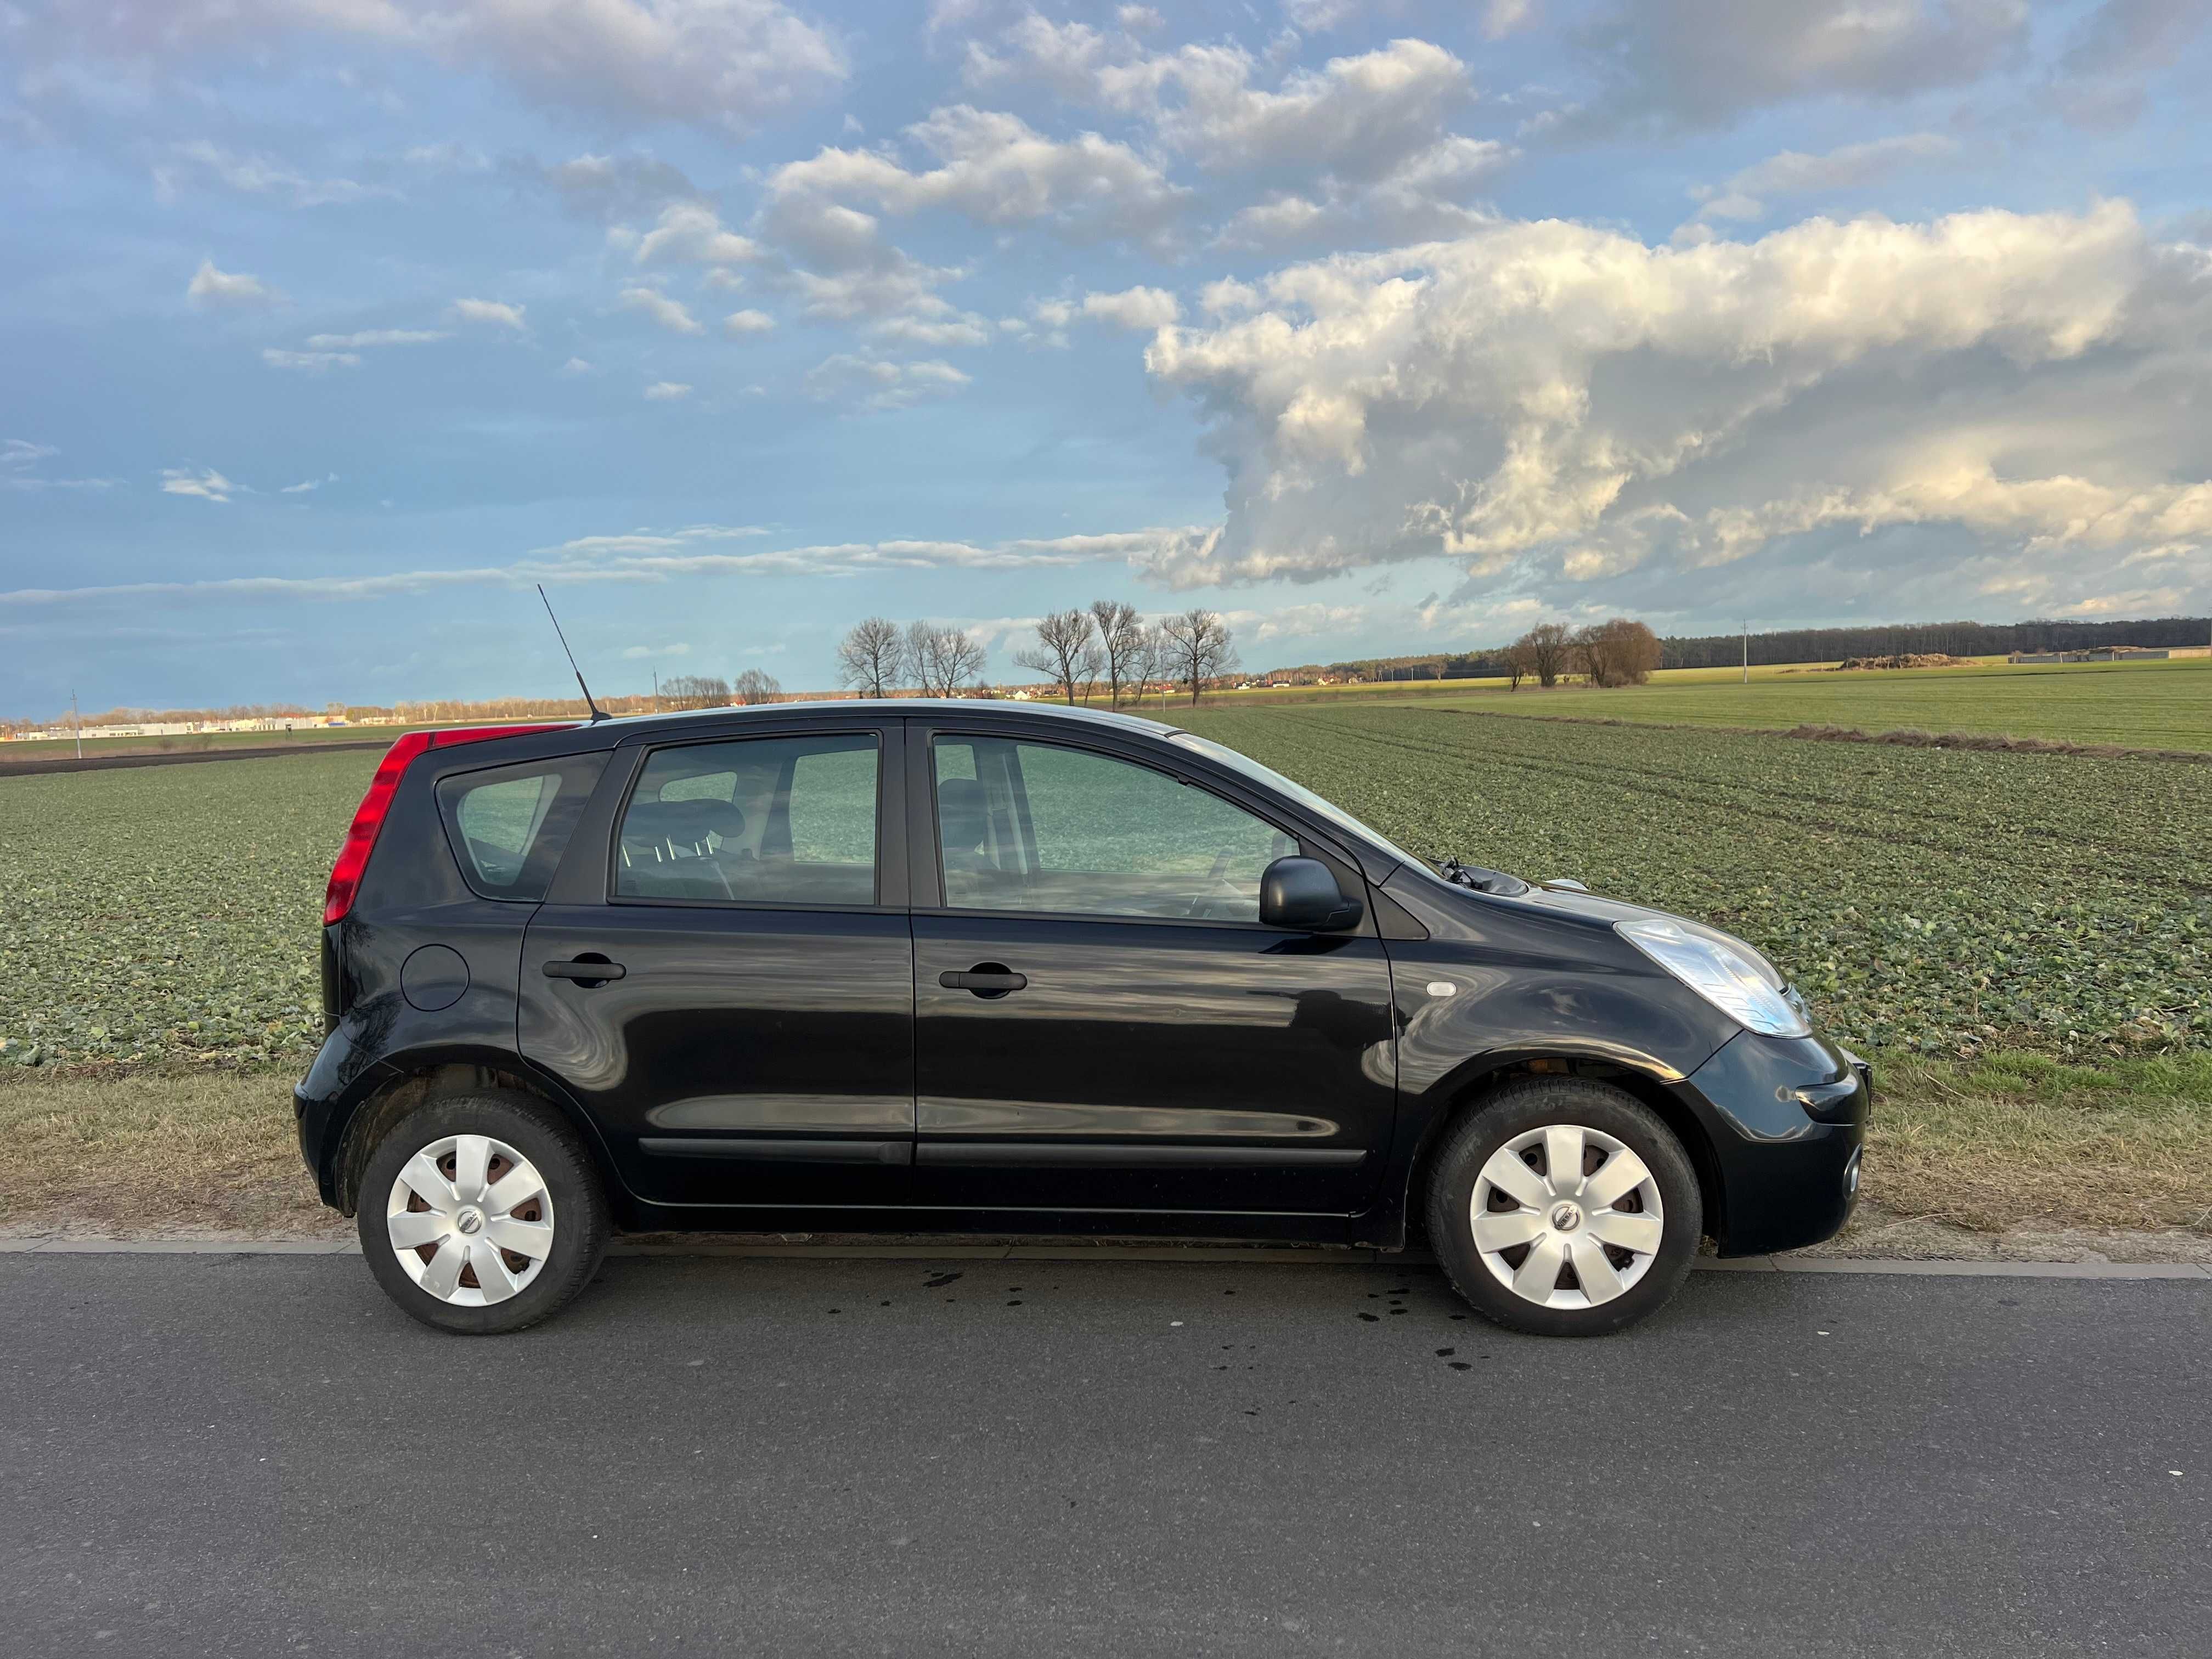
x: 471, y: 1220
x: 1567, y: 1217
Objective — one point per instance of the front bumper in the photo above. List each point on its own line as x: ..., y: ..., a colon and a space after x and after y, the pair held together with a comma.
x: 1788, y: 1127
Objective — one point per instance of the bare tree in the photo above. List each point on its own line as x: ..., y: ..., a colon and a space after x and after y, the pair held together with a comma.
x: 871, y: 657
x: 1066, y: 652
x: 1121, y: 642
x: 1198, y: 646
x: 1620, y: 652
x: 695, y: 691
x: 940, y: 660
x: 918, y: 657
x: 1544, y: 648
x: 758, y: 685
x: 1148, y: 660
x: 1516, y: 664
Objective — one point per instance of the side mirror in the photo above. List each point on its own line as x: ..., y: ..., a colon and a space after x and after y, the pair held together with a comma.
x: 1301, y: 894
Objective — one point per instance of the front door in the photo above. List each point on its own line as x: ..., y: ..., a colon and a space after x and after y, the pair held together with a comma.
x: 757, y: 1046
x: 1103, y: 1024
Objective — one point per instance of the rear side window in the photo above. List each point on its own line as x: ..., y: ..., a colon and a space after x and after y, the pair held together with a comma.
x: 510, y: 824
x: 784, y: 821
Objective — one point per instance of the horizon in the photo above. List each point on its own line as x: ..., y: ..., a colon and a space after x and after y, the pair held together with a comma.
x: 1376, y: 329
x: 472, y: 708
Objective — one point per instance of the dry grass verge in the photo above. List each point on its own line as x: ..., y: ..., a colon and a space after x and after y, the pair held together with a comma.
x: 2015, y: 1138
x: 144, y: 1150
x: 2007, y: 1141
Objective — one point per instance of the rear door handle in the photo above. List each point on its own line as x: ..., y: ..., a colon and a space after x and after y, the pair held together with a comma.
x: 985, y: 979
x: 585, y: 970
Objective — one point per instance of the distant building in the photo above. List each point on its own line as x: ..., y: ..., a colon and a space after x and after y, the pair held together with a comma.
x: 2114, y: 654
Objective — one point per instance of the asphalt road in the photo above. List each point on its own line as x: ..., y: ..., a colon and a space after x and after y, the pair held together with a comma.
x: 246, y: 1456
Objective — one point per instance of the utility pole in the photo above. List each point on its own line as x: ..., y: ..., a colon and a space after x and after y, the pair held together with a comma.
x: 656, y: 690
x: 77, y: 723
x: 1747, y: 651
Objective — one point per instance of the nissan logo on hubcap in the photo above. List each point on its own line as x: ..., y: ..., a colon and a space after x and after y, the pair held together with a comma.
x: 1566, y: 1219
x: 470, y: 1221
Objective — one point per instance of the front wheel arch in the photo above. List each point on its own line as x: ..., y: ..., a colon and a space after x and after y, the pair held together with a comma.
x: 1474, y: 1093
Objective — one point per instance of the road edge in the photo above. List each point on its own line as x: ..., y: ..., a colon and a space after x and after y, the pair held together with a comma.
x: 239, y: 1244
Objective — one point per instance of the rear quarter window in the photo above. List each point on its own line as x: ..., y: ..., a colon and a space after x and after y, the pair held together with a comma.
x: 509, y: 825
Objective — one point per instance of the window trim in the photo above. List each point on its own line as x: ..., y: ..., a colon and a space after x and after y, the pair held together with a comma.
x: 928, y: 897
x: 889, y: 755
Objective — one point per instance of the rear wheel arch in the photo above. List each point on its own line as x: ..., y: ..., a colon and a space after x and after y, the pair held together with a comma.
x: 411, y: 1083
x: 1476, y: 1090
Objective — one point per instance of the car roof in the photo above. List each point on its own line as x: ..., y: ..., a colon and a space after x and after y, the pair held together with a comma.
x: 892, y: 707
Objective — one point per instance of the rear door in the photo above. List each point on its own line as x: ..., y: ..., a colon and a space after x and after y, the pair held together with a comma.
x: 1102, y: 1023
x: 756, y: 1046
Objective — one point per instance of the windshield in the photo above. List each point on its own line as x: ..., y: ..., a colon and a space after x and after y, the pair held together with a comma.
x: 1297, y: 792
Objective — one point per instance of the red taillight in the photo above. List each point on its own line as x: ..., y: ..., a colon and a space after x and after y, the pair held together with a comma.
x: 368, y: 817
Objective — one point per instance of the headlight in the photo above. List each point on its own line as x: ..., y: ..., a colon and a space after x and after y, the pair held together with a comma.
x: 1728, y: 973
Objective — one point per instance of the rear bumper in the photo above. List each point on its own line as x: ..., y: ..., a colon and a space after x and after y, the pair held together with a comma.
x: 1788, y: 1121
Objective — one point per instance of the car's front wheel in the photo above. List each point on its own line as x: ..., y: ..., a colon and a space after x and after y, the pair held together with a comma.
x: 1563, y: 1208
x: 481, y: 1213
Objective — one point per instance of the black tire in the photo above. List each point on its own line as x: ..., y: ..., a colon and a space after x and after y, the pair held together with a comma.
x: 579, y: 1207
x: 1519, y: 1109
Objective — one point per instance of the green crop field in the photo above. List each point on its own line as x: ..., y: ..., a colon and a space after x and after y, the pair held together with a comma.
x: 169, y: 909
x: 1934, y: 898
x: 1944, y: 899
x: 2151, y: 705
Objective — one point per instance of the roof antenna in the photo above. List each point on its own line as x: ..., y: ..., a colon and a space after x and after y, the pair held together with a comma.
x: 597, y: 712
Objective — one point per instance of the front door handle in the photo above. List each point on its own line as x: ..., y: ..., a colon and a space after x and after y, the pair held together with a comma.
x: 985, y: 979
x: 585, y: 970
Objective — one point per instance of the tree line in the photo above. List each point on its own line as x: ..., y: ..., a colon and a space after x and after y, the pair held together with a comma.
x: 1107, y: 646
x: 1802, y: 645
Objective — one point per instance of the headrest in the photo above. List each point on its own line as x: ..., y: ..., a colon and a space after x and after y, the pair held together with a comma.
x: 961, y: 814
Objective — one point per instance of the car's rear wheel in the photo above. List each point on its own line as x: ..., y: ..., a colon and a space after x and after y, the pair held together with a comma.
x: 1563, y: 1208
x: 481, y: 1213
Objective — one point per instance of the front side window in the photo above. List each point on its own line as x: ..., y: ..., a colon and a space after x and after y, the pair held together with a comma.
x: 787, y: 821
x: 1030, y: 826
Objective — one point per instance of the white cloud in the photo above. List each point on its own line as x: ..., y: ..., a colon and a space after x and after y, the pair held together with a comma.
x: 668, y: 392
x: 21, y: 453
x: 994, y: 169
x: 884, y: 383
x: 643, y: 652
x: 717, y: 63
x: 609, y: 186
x: 313, y: 362
x: 374, y: 337
x: 1550, y: 402
x: 1703, y: 63
x: 307, y: 486
x: 1851, y: 166
x: 692, y: 232
x: 669, y: 313
x: 635, y: 556
x: 741, y: 325
x: 211, y: 287
x: 575, y: 367
x: 1356, y: 117
x: 205, y: 483
x: 1423, y: 196
x: 20, y: 459
x: 496, y: 312
x: 1140, y: 308
x: 934, y: 333
x: 256, y: 175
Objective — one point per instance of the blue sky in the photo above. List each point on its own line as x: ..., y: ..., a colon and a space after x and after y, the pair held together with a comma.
x: 331, y: 325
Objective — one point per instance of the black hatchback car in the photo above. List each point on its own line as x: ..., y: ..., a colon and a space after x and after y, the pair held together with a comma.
x: 993, y: 967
